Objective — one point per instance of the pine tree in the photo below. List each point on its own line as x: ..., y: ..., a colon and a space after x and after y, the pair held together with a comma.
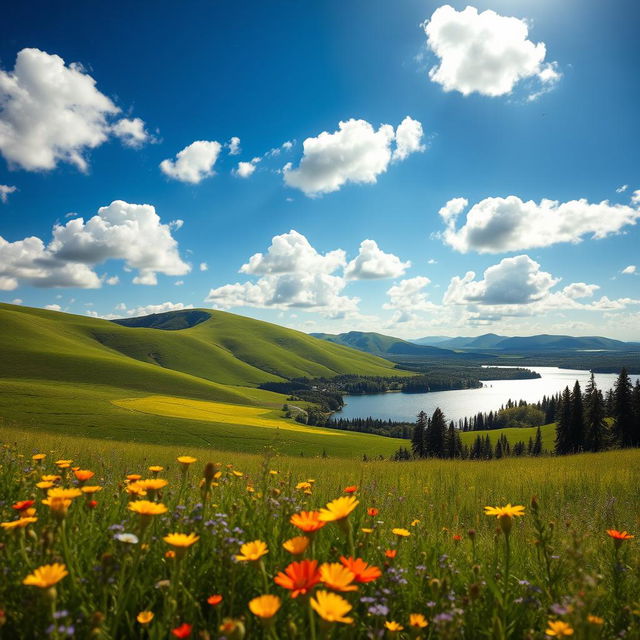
x: 436, y: 435
x: 635, y: 410
x: 622, y: 410
x: 417, y: 441
x: 563, y: 444
x: 594, y: 437
x: 577, y: 419
x: 536, y: 450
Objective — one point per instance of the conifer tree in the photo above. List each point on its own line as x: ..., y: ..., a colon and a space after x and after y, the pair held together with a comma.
x: 635, y: 410
x: 563, y: 444
x: 536, y: 450
x: 577, y: 419
x: 623, y: 411
x: 594, y: 410
x: 417, y: 441
x: 436, y: 434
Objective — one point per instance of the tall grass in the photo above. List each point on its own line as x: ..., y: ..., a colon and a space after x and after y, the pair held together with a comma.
x: 452, y: 568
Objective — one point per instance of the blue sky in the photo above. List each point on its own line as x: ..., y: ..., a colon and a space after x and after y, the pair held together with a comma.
x: 526, y: 110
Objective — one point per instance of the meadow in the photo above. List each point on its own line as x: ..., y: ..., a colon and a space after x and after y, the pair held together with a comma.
x: 406, y: 551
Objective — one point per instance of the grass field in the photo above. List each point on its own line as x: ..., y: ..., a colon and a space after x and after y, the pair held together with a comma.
x: 453, y: 567
x: 513, y: 435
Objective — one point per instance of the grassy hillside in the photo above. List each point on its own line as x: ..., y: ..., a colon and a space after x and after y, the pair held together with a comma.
x: 514, y: 435
x: 68, y: 373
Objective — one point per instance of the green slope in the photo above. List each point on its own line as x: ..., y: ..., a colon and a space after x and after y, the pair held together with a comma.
x: 66, y: 372
x: 514, y: 435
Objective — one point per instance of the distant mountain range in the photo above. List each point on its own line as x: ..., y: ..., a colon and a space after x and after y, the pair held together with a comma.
x: 381, y: 345
x: 542, y: 342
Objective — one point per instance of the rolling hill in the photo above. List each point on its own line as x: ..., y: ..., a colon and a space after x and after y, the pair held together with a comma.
x: 89, y: 376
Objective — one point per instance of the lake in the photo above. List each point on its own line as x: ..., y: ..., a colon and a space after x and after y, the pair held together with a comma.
x: 467, y: 402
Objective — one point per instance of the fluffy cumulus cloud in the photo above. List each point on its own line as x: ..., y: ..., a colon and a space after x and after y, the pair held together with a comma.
x: 292, y: 275
x: 131, y: 132
x: 635, y: 197
x: 234, y: 146
x: 51, y: 112
x: 485, y: 52
x: 121, y: 231
x: 194, y: 163
x: 516, y: 280
x: 408, y: 297
x: 246, y: 169
x: 357, y: 152
x: 629, y: 270
x: 495, y: 225
x: 374, y: 264
x: 5, y: 190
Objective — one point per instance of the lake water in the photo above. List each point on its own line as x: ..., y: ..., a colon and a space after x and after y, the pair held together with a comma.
x: 467, y: 402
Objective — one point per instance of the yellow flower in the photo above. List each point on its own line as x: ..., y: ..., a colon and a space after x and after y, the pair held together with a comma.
x: 505, y: 515
x: 46, y: 576
x: 147, y: 510
x: 145, y: 617
x: 50, y: 478
x: 135, y: 489
x: 296, y: 546
x: 21, y: 523
x: 415, y: 522
x: 152, y: 484
x: 155, y: 468
x: 393, y: 626
x: 331, y: 607
x: 252, y: 551
x: 418, y: 621
x: 63, y: 463
x: 403, y: 533
x: 338, y: 509
x: 133, y: 477
x: 58, y: 506
x: 91, y: 489
x: 44, y: 485
x: 38, y: 457
x: 558, y: 629
x: 237, y: 474
x: 597, y: 620
x: 64, y: 494
x: 302, y: 486
x: 181, y: 540
x: 337, y: 577
x: 265, y: 607
x: 185, y: 461
x: 366, y: 530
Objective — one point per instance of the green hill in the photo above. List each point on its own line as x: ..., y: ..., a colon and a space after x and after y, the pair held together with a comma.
x: 514, y: 435
x: 68, y: 373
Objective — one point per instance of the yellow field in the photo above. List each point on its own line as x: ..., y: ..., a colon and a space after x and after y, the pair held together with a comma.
x: 217, y: 412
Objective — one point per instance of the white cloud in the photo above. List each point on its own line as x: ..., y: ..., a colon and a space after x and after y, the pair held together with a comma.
x: 53, y: 307
x: 234, y: 146
x: 356, y: 153
x: 409, y: 295
x: 580, y: 290
x: 635, y: 197
x: 374, y: 264
x: 293, y: 275
x: 155, y: 308
x: 495, y: 225
x: 120, y: 231
x: 246, y: 169
x: 51, y: 112
x: 485, y: 52
x: 194, y: 163
x: 131, y: 131
x: 178, y: 283
x: 408, y: 139
x: 204, y: 266
x: 629, y: 270
x: 622, y: 188
x: 5, y: 190
x: 292, y: 253
x: 514, y: 281
x: 113, y: 280
x: 432, y: 261
x: 17, y: 301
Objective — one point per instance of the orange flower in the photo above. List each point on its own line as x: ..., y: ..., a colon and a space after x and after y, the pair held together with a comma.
x: 418, y: 621
x: 373, y: 512
x: 337, y: 577
x: 307, y: 521
x: 391, y: 553
x: 299, y: 577
x: 351, y: 488
x: 338, y: 509
x: 296, y: 546
x: 82, y: 475
x: 619, y: 536
x: 183, y: 631
x: 23, y: 504
x: 362, y: 571
x: 215, y: 599
x: 457, y: 537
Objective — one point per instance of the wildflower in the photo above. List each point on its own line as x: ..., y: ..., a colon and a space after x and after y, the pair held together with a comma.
x: 618, y: 537
x: 63, y: 464
x: 65, y: 494
x: 266, y: 606
x: 23, y: 505
x: 50, y: 478
x: 252, y: 551
x: 393, y: 626
x: 307, y: 521
x: 597, y: 620
x: 45, y: 484
x: 232, y: 629
x: 505, y: 515
x: 402, y: 533
x: 38, y: 457
x: 366, y: 530
x: 362, y: 571
x: 391, y: 553
x: 373, y: 512
x: 183, y: 631
x: 415, y: 522
x: 82, y: 475
x: 46, y: 576
x: 181, y: 542
x: 133, y: 477
x: 337, y: 577
x: 299, y: 577
x: 185, y: 461
x: 215, y: 599
x: 456, y: 537
x: 127, y: 538
x: 21, y: 523
x: 90, y: 490
x: 338, y: 509
x: 418, y: 621
x: 135, y: 489
x: 237, y: 474
x: 58, y: 506
x: 170, y: 555
x: 146, y: 510
x: 152, y: 484
x: 331, y: 607
x: 296, y: 546
x: 145, y: 617
x: 155, y: 468
x: 304, y: 486
x: 351, y: 489
x: 559, y: 629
